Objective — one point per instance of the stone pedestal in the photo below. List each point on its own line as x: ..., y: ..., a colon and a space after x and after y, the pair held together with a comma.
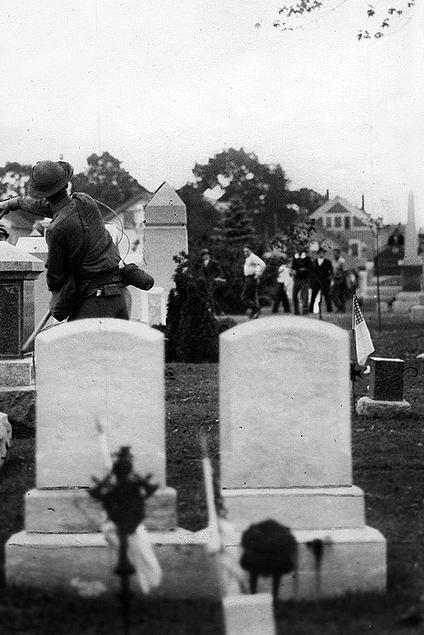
x: 37, y: 246
x: 411, y: 275
x: 367, y: 407
x: 405, y: 300
x: 286, y: 448
x: 18, y: 272
x: 411, y: 266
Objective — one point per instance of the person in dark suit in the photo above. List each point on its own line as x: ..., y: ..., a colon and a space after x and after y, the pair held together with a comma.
x: 211, y: 272
x: 301, y: 269
x: 320, y: 280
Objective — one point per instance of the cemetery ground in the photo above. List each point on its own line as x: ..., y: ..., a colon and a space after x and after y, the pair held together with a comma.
x: 388, y: 463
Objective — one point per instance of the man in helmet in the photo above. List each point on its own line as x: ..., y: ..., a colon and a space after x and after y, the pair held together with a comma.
x: 79, y: 244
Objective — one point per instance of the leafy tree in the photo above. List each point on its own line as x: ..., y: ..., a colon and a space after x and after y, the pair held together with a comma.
x: 13, y: 179
x: 235, y: 225
x: 296, y: 238
x: 201, y: 215
x: 262, y: 189
x: 107, y: 181
x: 306, y: 199
x: 381, y: 16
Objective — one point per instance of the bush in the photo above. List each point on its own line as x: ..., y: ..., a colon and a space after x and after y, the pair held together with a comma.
x: 191, y: 330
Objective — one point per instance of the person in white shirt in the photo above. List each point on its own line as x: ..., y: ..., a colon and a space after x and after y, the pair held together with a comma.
x: 253, y: 269
x: 284, y: 282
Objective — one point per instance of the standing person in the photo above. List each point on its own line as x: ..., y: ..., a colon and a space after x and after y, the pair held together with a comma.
x: 321, y: 277
x: 339, y: 282
x: 301, y: 267
x: 283, y: 283
x: 79, y: 244
x: 211, y: 272
x: 253, y: 269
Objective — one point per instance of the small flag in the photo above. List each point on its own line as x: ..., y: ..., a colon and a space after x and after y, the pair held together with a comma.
x: 317, y: 302
x: 364, y: 345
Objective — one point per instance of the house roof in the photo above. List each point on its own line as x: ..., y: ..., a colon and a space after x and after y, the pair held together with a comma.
x: 338, y: 200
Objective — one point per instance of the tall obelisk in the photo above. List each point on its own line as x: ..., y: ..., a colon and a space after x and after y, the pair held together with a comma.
x: 411, y: 267
x: 412, y: 264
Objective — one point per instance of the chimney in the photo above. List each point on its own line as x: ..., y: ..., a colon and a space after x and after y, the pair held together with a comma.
x: 327, y: 195
x: 363, y: 203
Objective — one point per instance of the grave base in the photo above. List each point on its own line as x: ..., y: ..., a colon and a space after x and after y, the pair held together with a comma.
x: 73, y: 510
x: 64, y: 561
x: 367, y: 407
x: 353, y: 560
x: 297, y: 507
x: 417, y: 313
x: 405, y: 300
x: 17, y: 372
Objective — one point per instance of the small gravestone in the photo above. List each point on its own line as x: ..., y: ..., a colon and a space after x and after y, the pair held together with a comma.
x: 385, y: 389
x: 112, y: 370
x: 18, y: 273
x: 386, y: 378
x: 286, y: 449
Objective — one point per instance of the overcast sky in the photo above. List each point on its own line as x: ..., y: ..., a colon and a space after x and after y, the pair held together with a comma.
x: 162, y: 85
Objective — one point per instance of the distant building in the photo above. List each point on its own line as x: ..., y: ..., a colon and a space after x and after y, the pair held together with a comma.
x: 338, y: 216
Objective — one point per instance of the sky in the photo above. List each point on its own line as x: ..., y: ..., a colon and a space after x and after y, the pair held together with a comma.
x: 163, y: 85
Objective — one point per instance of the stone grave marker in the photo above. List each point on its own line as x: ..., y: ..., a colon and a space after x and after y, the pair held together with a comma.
x: 286, y: 447
x: 385, y: 398
x: 18, y: 274
x: 112, y: 369
x: 165, y: 235
x: 37, y: 246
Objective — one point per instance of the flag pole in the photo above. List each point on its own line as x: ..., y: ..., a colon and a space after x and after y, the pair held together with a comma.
x: 352, y: 348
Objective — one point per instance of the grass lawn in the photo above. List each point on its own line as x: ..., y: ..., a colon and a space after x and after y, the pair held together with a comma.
x: 388, y: 463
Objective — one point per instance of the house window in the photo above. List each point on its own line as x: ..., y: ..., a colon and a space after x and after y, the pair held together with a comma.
x: 337, y: 221
x: 354, y: 250
x: 318, y: 222
x: 328, y: 221
x: 357, y: 222
x: 347, y: 222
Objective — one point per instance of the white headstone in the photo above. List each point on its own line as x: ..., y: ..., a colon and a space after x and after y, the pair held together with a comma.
x: 286, y: 451
x: 112, y: 369
x: 165, y: 235
x: 285, y: 404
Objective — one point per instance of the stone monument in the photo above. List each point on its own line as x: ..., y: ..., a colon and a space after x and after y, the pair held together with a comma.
x: 165, y: 235
x: 286, y: 449
x: 411, y: 265
x: 18, y: 273
x: 114, y: 370
x: 37, y: 246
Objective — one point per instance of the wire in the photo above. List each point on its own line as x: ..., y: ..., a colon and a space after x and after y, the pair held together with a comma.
x: 123, y: 232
